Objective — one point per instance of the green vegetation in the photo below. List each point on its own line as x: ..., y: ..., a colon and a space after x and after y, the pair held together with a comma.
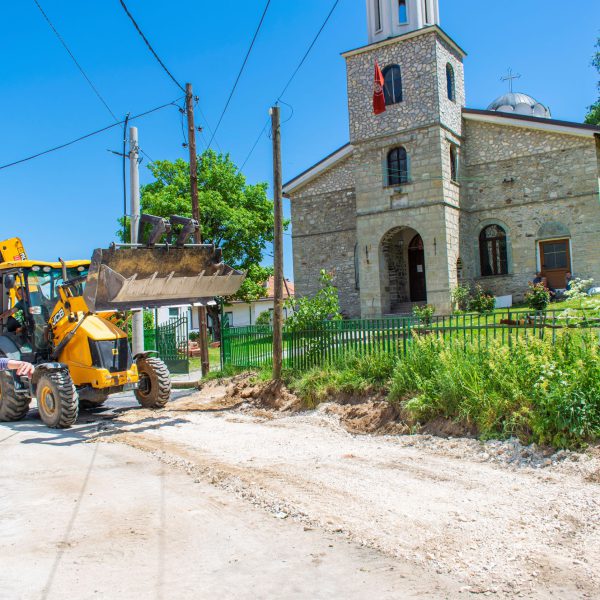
x: 542, y: 392
x: 214, y: 357
x: 538, y: 297
x: 234, y: 215
x: 307, y: 312
x: 538, y: 391
x: 593, y: 117
x: 352, y: 375
x: 424, y: 313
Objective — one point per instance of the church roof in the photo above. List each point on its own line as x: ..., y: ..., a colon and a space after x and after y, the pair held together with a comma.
x: 521, y: 104
x: 317, y: 169
x: 531, y: 122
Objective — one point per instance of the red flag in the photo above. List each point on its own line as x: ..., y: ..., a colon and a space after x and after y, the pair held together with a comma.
x: 378, y: 95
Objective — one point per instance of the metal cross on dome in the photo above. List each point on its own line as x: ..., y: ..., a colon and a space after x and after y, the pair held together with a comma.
x: 510, y: 77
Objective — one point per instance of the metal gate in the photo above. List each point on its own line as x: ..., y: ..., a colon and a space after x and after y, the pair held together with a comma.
x: 172, y: 345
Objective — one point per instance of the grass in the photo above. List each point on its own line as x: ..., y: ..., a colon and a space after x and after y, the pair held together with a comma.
x: 539, y: 391
x: 214, y: 357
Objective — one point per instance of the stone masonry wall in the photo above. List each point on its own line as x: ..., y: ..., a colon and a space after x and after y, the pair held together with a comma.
x: 524, y: 179
x: 324, y: 234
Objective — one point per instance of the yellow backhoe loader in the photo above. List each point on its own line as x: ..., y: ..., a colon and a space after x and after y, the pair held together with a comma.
x: 58, y: 315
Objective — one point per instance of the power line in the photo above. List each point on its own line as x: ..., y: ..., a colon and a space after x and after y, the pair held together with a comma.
x: 162, y: 64
x: 64, y: 44
x: 87, y: 135
x: 264, y: 14
x: 287, y: 85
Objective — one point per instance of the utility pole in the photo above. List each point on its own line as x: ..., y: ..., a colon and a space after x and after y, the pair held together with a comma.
x: 137, y: 323
x: 277, y: 245
x: 203, y: 330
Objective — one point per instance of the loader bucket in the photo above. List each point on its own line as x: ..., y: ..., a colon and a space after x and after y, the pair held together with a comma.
x: 149, y: 277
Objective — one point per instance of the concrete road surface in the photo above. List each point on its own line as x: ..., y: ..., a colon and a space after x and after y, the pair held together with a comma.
x: 81, y: 519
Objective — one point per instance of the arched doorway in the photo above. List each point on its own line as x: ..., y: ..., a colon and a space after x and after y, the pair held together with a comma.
x: 402, y: 270
x: 416, y: 270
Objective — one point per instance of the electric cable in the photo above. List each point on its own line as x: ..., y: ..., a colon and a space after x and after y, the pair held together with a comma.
x: 262, y: 19
x: 160, y: 62
x: 289, y: 82
x: 64, y: 44
x: 87, y: 135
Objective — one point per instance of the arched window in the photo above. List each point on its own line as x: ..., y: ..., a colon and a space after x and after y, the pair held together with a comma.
x: 453, y: 163
x: 450, y: 82
x: 493, y: 251
x: 392, y: 86
x: 402, y: 12
x: 397, y: 166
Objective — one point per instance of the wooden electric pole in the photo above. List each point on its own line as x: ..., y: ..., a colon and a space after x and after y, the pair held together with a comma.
x: 203, y: 330
x: 277, y: 245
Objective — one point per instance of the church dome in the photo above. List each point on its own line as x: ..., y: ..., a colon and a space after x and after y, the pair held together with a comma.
x: 520, y: 104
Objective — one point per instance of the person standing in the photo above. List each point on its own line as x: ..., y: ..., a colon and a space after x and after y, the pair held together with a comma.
x: 21, y: 367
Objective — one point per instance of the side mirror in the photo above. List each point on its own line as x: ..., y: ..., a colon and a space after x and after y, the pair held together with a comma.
x: 9, y: 282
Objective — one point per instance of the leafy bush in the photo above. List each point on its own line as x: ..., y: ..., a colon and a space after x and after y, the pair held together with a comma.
x: 482, y: 302
x: 538, y: 297
x: 543, y: 392
x: 323, y: 306
x: 461, y: 296
x: 265, y: 318
x: 194, y: 336
x: 424, y: 313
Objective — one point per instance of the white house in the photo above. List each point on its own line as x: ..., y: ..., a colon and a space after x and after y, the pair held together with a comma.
x: 242, y: 314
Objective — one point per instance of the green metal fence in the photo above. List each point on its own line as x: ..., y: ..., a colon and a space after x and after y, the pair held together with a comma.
x: 322, y: 343
x: 170, y: 341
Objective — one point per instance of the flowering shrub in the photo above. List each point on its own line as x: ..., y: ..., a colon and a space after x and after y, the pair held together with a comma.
x: 482, y: 302
x: 538, y: 297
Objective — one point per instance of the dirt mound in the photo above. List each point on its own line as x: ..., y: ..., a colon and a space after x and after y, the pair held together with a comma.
x: 446, y: 428
x: 271, y: 395
x: 372, y: 416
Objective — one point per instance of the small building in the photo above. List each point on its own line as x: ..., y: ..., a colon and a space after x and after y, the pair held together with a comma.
x: 430, y: 194
x: 242, y: 314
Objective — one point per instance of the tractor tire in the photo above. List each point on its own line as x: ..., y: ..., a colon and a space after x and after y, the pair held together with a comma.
x: 57, y: 400
x: 12, y: 406
x: 155, y: 382
x: 89, y: 401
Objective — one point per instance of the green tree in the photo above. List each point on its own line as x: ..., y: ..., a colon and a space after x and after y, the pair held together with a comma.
x: 234, y: 215
x: 593, y: 117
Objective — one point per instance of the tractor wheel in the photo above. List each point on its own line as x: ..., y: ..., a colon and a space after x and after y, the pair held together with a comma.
x: 90, y: 400
x: 57, y: 400
x: 12, y: 406
x: 155, y: 383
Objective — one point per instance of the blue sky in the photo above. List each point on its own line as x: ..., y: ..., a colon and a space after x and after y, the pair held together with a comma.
x: 67, y: 203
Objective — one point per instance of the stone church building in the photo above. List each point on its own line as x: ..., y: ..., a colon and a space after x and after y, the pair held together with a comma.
x: 430, y: 193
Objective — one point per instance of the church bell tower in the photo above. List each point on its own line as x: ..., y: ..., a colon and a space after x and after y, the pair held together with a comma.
x: 390, y: 18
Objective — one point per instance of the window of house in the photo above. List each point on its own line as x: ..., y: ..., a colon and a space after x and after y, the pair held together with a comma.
x: 229, y: 318
x: 493, y: 251
x: 402, y: 11
x: 377, y: 10
x: 450, y: 82
x: 173, y: 313
x: 453, y: 163
x: 392, y: 86
x: 397, y: 166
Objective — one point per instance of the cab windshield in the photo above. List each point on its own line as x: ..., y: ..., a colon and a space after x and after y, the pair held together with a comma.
x: 42, y: 285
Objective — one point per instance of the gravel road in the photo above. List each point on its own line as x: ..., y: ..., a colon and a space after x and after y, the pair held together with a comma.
x: 240, y: 502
